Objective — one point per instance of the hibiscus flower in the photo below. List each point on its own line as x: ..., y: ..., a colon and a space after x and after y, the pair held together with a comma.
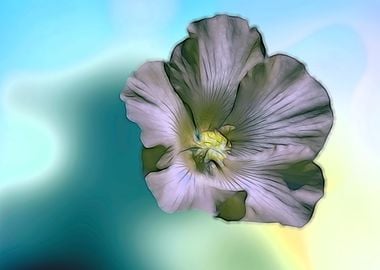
x: 230, y: 130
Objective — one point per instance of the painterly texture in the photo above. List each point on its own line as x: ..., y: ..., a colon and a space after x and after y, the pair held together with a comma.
x: 71, y: 184
x: 238, y: 129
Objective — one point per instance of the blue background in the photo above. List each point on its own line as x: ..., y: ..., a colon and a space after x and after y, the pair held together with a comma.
x: 71, y: 189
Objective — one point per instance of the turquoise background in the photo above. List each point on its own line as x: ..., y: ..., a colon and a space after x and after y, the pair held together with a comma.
x: 72, y: 194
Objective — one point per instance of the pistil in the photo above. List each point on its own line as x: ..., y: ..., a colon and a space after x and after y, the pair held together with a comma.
x: 210, y: 149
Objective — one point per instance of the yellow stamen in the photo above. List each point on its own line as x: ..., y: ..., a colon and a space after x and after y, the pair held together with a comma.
x: 211, y: 149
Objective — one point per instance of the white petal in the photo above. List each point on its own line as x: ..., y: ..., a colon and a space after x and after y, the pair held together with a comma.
x: 152, y: 103
x: 206, y: 68
x: 177, y: 188
x: 283, y: 185
x: 279, y: 103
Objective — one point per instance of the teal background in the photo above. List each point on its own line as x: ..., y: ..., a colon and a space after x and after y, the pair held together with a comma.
x: 72, y: 194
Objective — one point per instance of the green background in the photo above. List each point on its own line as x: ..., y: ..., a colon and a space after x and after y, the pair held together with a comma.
x: 72, y: 193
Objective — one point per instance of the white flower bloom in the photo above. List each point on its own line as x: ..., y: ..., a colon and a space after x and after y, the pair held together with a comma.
x: 228, y: 129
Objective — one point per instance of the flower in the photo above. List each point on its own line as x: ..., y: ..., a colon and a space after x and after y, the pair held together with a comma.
x: 230, y: 130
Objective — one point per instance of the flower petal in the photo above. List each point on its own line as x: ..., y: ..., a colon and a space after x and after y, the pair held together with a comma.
x: 152, y: 103
x: 206, y: 68
x: 283, y: 185
x: 278, y: 102
x: 177, y: 188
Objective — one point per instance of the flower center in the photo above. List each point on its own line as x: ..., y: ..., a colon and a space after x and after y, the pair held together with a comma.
x: 211, y: 148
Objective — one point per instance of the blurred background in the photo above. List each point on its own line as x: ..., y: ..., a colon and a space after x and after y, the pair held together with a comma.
x: 72, y: 195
